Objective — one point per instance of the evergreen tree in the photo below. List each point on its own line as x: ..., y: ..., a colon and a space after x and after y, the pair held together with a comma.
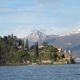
x: 36, y: 50
x: 27, y: 46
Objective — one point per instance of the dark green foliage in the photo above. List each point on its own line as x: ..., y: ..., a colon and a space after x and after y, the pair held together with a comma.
x: 27, y: 46
x: 20, y: 42
x: 7, y: 48
x: 36, y: 49
x: 21, y: 56
x: 48, y: 52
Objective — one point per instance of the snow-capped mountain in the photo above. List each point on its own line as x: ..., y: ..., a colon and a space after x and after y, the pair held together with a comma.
x: 36, y: 36
x: 72, y: 32
x: 40, y: 37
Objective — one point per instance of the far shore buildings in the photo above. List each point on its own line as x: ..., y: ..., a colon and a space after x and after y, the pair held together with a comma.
x: 66, y: 56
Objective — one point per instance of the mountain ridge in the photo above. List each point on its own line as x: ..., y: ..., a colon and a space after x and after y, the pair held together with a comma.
x: 71, y: 41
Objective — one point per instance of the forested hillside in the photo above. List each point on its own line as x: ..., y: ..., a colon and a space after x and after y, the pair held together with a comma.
x: 14, y: 51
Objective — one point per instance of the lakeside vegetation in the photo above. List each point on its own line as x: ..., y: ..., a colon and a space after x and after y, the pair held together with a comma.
x: 14, y: 51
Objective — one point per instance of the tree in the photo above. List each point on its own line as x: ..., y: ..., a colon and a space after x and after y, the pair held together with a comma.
x: 20, y: 42
x: 27, y: 46
x: 36, y: 52
x: 36, y: 49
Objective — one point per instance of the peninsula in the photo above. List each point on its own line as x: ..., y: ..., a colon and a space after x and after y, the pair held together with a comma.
x: 14, y: 51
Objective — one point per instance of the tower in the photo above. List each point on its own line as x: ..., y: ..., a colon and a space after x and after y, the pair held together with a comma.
x: 65, y: 51
x: 69, y: 51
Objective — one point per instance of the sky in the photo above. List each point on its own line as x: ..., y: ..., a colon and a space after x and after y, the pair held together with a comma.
x: 20, y: 17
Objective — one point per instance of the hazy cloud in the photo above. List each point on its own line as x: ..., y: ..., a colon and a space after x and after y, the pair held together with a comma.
x: 47, y: 1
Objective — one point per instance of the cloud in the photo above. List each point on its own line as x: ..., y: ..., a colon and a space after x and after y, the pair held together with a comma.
x: 3, y: 10
x: 9, y: 10
x: 47, y: 1
x: 18, y: 31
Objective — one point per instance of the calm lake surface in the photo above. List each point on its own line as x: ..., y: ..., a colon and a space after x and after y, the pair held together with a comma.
x: 40, y: 72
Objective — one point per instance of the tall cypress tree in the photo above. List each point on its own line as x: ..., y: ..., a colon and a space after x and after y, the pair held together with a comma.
x: 36, y: 49
x: 27, y: 46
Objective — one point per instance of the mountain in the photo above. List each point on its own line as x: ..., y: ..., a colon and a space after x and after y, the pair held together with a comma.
x: 36, y: 36
x: 70, y: 41
x: 40, y: 37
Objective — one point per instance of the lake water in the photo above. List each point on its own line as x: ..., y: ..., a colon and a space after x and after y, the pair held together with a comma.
x: 40, y: 72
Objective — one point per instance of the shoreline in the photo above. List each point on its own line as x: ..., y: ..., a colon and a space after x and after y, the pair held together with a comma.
x: 35, y: 64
